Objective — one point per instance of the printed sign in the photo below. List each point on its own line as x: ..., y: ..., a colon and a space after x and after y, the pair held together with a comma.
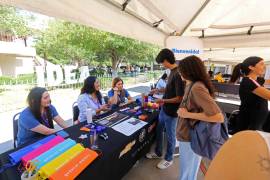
x: 184, y: 46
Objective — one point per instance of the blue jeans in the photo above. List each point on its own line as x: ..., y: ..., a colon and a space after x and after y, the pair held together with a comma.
x: 189, y: 162
x: 168, y: 123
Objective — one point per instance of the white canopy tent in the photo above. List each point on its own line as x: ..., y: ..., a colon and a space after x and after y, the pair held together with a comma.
x: 223, y: 25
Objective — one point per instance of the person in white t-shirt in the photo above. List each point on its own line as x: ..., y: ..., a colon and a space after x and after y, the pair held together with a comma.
x: 160, y: 86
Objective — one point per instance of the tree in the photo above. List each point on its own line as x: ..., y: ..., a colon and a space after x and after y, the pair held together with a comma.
x: 13, y: 22
x: 121, y: 49
x: 66, y: 43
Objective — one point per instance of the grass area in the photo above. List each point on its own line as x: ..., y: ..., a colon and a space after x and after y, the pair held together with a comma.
x: 26, y: 82
x: 21, y: 79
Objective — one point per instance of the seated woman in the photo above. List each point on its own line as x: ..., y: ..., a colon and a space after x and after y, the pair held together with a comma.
x: 37, y: 119
x: 118, y: 94
x: 90, y: 97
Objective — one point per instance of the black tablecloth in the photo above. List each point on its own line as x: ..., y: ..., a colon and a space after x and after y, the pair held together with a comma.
x: 109, y: 165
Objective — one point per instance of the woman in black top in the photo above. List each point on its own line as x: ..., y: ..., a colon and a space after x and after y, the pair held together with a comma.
x: 253, y: 96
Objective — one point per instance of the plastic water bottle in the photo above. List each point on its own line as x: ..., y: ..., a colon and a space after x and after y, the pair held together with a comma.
x: 89, y: 115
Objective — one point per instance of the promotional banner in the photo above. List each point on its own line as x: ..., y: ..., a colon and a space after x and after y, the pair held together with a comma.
x: 75, y: 166
x: 58, y: 162
x: 184, y: 46
x: 16, y: 156
x: 43, y: 148
x: 53, y: 153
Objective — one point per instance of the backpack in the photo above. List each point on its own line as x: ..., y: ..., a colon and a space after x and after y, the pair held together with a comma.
x: 206, y: 137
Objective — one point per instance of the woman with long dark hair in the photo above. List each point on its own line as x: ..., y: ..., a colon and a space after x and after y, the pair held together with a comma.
x: 118, y: 94
x: 253, y: 96
x: 198, y: 104
x: 236, y: 74
x: 37, y: 119
x: 90, y: 97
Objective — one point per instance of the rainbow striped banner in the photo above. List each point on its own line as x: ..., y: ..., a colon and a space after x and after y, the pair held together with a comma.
x: 53, y: 153
x: 43, y: 148
x: 51, y: 167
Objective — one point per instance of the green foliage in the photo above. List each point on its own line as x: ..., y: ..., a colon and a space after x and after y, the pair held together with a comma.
x: 21, y: 79
x: 69, y: 43
x: 13, y: 22
x: 65, y: 43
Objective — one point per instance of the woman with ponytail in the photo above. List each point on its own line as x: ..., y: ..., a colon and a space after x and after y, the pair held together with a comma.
x: 37, y: 119
x: 236, y: 74
x: 253, y: 96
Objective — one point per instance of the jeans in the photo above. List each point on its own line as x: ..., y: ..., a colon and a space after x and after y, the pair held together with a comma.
x: 189, y: 162
x: 169, y: 123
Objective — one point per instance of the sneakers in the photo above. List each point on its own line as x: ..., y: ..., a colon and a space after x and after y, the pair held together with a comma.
x: 163, y: 164
x: 152, y: 155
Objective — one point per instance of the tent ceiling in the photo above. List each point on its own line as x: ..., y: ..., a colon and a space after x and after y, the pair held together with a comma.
x: 137, y: 21
x: 225, y: 23
x: 235, y: 55
x: 223, y: 17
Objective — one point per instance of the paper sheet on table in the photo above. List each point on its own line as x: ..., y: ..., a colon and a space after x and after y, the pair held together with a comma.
x: 129, y: 126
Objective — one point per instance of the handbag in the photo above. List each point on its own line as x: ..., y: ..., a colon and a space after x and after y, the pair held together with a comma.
x: 206, y: 137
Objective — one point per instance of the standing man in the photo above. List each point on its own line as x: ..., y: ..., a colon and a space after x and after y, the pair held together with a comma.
x: 173, y: 94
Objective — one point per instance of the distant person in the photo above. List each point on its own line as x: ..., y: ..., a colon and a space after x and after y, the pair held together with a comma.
x: 168, y: 117
x: 210, y: 74
x: 37, y: 119
x: 109, y: 70
x: 219, y: 77
x: 138, y: 69
x: 160, y: 86
x: 145, y: 69
x: 124, y: 71
x: 90, y: 97
x: 118, y: 95
x: 254, y: 106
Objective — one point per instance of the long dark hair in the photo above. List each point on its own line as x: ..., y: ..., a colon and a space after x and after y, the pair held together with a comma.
x: 34, y: 103
x: 115, y: 81
x: 89, y: 87
x: 243, y: 68
x: 236, y: 74
x: 193, y: 69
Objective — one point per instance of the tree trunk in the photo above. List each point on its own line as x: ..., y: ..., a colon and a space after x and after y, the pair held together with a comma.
x: 115, y: 61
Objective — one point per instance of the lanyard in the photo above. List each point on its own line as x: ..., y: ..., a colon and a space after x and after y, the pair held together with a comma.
x: 45, y: 119
x: 255, y: 82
